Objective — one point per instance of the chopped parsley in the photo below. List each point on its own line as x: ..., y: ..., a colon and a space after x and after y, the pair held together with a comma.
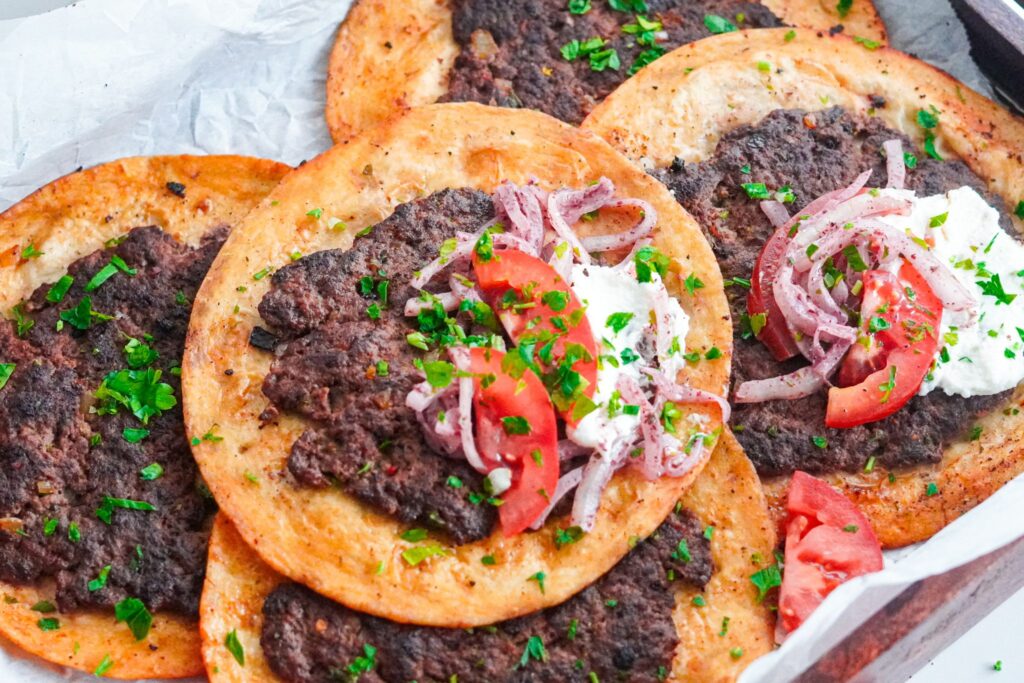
x: 713, y: 353
x: 139, y: 355
x: 116, y: 265
x: 414, y: 535
x: 362, y: 664
x: 539, y: 577
x: 488, y: 560
x: 568, y: 536
x: 910, y: 160
x: 766, y: 579
x: 48, y: 624
x: 618, y: 321
x: 101, y: 580
x: 454, y: 482
x: 854, y: 259
x: 692, y: 284
x: 439, y: 373
x: 887, y: 387
x: 105, y: 511
x: 717, y: 24
x: 819, y: 441
x: 579, y: 6
x: 105, y: 665
x: 936, y: 221
x: 877, y: 324
x: 976, y: 431
x: 81, y: 316
x: 6, y: 370
x: 682, y: 552
x: 133, y: 612
x: 515, y: 425
x: 534, y: 650
x: 699, y: 601
x: 234, y: 646
x: 867, y: 43
x: 994, y: 287
x: 30, y: 252
x: 725, y: 627
x: 649, y: 260
x: 932, y: 489
x: 151, y: 472
x: 59, y: 289
x: 844, y: 8
x: 134, y: 435
x: 756, y: 190
x: 141, y: 391
x: 416, y: 555
x: 851, y: 528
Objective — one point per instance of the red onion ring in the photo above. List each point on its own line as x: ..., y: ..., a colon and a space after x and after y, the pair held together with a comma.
x: 567, y: 482
x: 895, y: 165
x: 639, y: 231
x: 777, y: 212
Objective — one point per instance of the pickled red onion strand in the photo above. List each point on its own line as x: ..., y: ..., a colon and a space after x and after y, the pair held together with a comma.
x: 596, y: 475
x: 820, y: 294
x: 686, y: 394
x: 569, y: 449
x: 567, y: 482
x: 463, y: 249
x: 639, y: 231
x: 663, y: 316
x: 449, y: 300
x: 566, y: 206
x: 524, y: 214
x: 797, y: 384
x: 682, y: 463
x: 650, y: 464
x: 776, y: 212
x: 460, y: 358
x: 831, y: 199
x: 895, y: 165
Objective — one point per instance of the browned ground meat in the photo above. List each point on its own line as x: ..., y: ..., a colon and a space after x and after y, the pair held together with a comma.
x: 58, y: 459
x: 361, y: 435
x: 528, y: 69
x: 813, y: 159
x: 623, y: 628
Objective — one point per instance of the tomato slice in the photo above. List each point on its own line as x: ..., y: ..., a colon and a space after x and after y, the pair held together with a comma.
x: 900, y: 317
x: 828, y: 541
x: 775, y: 333
x: 545, y: 320
x: 516, y: 427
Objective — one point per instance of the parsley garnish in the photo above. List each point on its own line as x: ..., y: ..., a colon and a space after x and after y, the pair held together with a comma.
x: 867, y: 43
x: 568, y: 536
x: 692, y: 284
x: 819, y: 441
x: 101, y: 580
x: 888, y: 386
x: 59, y: 289
x: 717, y: 24
x: 844, y: 8
x: 48, y: 624
x: 105, y: 665
x: 414, y: 556
x: 539, y: 577
x: 579, y: 6
x: 994, y: 287
x: 141, y: 391
x: 362, y: 664
x: 6, y: 370
x: 932, y: 489
x: 81, y: 316
x: 151, y: 472
x: 618, y: 321
x: 234, y: 646
x: 134, y: 613
x: 534, y: 650
x: 756, y: 190
x: 766, y: 579
x: 132, y: 435
x: 515, y: 425
x: 854, y: 259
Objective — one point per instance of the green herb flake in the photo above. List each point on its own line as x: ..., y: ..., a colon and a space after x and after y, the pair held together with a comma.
x: 6, y: 370
x: 59, y: 289
x: 134, y: 435
x: 539, y: 577
x: 515, y: 425
x: 133, y: 612
x: 756, y: 190
x: 415, y: 555
x: 717, y: 24
x: 618, y: 321
x: 932, y: 489
x: 234, y: 646
x: 692, y: 283
x: 867, y: 43
x: 105, y: 665
x: 48, y: 624
x: 488, y: 560
x: 101, y: 580
x: 30, y: 252
x: 534, y: 650
x: 766, y: 579
x: 151, y: 472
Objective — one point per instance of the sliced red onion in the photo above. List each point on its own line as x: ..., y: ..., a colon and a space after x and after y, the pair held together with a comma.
x: 596, y: 475
x: 663, y: 322
x: 797, y: 384
x: 624, y: 239
x: 686, y: 394
x: 463, y: 249
x: 681, y: 462
x: 460, y: 358
x: 449, y: 300
x: 569, y: 449
x: 524, y: 213
x: 777, y: 212
x: 567, y: 482
x: 895, y: 166
x: 566, y: 207
x: 650, y: 464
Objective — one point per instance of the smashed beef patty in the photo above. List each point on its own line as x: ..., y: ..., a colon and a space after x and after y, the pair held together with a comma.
x: 106, y: 503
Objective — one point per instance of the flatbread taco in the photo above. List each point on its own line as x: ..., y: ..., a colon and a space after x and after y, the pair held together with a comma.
x: 865, y: 209
x: 561, y: 57
x: 679, y: 607
x: 453, y: 366
x: 104, y: 520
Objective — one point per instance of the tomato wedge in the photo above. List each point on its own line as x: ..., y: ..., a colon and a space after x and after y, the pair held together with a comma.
x: 900, y: 317
x: 774, y: 333
x: 516, y: 427
x: 828, y: 541
x: 546, y: 322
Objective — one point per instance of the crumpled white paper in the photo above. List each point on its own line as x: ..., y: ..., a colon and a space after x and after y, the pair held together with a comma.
x: 105, y: 79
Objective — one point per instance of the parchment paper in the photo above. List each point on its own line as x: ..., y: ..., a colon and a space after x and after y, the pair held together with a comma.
x: 110, y: 78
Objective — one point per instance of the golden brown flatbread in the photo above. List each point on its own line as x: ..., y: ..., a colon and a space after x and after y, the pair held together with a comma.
x: 390, y: 56
x: 727, y: 495
x: 66, y: 220
x: 682, y: 104
x: 324, y: 538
